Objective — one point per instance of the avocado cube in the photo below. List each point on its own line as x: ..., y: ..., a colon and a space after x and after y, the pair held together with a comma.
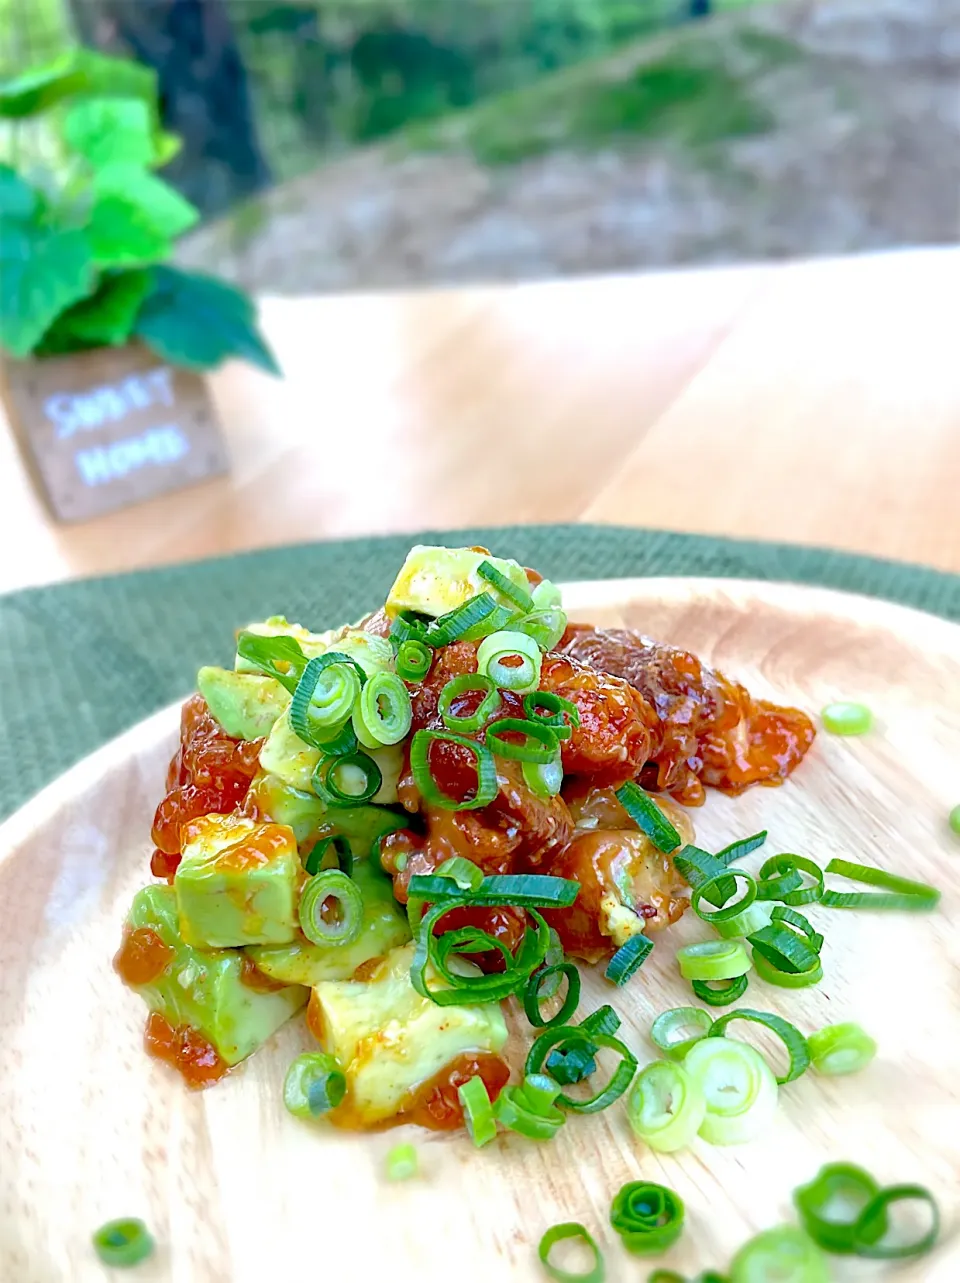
x: 385, y: 925
x: 245, y: 704
x: 434, y: 580
x: 272, y: 799
x: 237, y: 882
x: 205, y: 991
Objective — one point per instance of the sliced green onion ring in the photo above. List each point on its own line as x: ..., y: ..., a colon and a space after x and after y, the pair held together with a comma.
x: 846, y: 718
x: 628, y: 959
x: 841, y: 1049
x: 473, y: 988
x: 314, y: 1085
x: 385, y: 710
x: 738, y: 1086
x: 713, y: 960
x: 325, y: 696
x: 830, y: 1205
x: 322, y: 924
x: 784, y: 949
x: 666, y: 1106
x: 571, y: 1037
x: 494, y: 652
x: 675, y: 1031
x: 568, y: 1067
x: 413, y: 660
x: 341, y: 848
x: 868, y: 1243
x: 741, y: 848
x: 517, y: 596
x: 468, y: 683
x: 776, y: 886
x: 403, y: 1162
x: 540, y: 1092
x: 791, y: 1037
x: 648, y: 817
x: 279, y: 657
x: 647, y: 1216
x: 562, y: 714
x: 779, y: 870
x: 719, y: 993
x: 467, y: 875
x: 699, y: 867
x: 545, y: 779
x: 455, y: 624
x: 342, y: 744
x: 784, y: 1254
x: 356, y: 769
x: 528, y: 1115
x: 123, y: 1243
x: 711, y: 888
x: 546, y: 627
x: 478, y: 1116
x: 786, y: 979
x: 539, y: 745
x: 546, y: 594
x: 430, y: 791
x: 899, y: 893
x: 527, y: 890
x: 532, y: 998
x: 559, y: 1234
x: 789, y: 917
x: 407, y: 626
x: 753, y: 918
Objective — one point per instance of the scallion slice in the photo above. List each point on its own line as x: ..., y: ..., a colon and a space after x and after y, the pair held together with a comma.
x: 430, y: 791
x: 897, y: 893
x: 553, y: 710
x: 511, y: 659
x: 331, y: 908
x: 785, y: 1254
x: 324, y: 697
x: 539, y: 744
x: 567, y: 1038
x: 278, y: 657
x: 674, y: 1032
x: 546, y: 594
x: 463, y: 619
x: 648, y: 817
x: 787, y: 979
x: 320, y: 852
x: 628, y: 959
x: 527, y: 890
x: 350, y: 780
x: 711, y: 889
x: 468, y: 684
x: 467, y: 875
x: 123, y: 1243
x: 516, y: 595
x: 719, y: 993
x: 666, y: 1106
x: 841, y: 1049
x: 647, y: 1216
x: 544, y: 778
x: 874, y: 1217
x: 314, y: 1085
x: 699, y: 867
x: 741, y: 848
x: 572, y: 1066
x: 532, y: 998
x: 342, y: 743
x: 473, y: 988
x: 559, y: 1234
x: 797, y: 922
x: 531, y: 1115
x: 713, y: 960
x: 478, y: 1116
x: 407, y: 626
x: 755, y: 916
x: 830, y: 1205
x: 738, y: 1086
x: 781, y: 878
x: 403, y: 1162
x: 385, y: 710
x: 413, y: 660
x: 953, y: 819
x: 846, y: 718
x: 784, y: 949
x: 546, y: 627
x: 789, y: 1035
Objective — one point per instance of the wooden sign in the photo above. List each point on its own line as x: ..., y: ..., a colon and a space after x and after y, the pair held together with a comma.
x: 112, y: 427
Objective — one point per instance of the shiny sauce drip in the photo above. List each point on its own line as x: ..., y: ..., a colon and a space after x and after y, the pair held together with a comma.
x: 184, y: 1049
x: 142, y: 956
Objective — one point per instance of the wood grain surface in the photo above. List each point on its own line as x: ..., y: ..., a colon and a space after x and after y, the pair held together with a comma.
x: 813, y: 402
x: 236, y: 1191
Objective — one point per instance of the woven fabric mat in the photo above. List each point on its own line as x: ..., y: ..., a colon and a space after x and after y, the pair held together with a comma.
x: 80, y: 662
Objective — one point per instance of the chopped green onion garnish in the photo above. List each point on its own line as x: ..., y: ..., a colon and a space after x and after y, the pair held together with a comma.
x: 567, y: 1038
x: 870, y: 1232
x: 403, y: 1162
x: 738, y: 1086
x: 413, y: 660
x: 511, y: 659
x: 781, y: 878
x: 790, y: 918
x: 545, y: 594
x: 786, y: 979
x: 713, y: 960
x: 324, y: 697
x: 341, y: 848
x: 741, y: 848
x: 674, y: 1032
x: 898, y: 893
x: 648, y: 1217
x: 699, y: 867
x: 407, y: 626
x: 430, y: 791
x: 546, y: 627
x: 384, y: 709
x: 719, y: 993
x: 756, y: 915
x: 648, y: 817
x: 473, y: 987
x: 553, y: 710
x: 456, y: 688
x: 478, y: 1114
x: 349, y: 780
x: 539, y: 741
x: 532, y: 999
x: 529, y: 1116
x: 343, y: 743
x: 122, y: 1243
x: 528, y: 890
x: 846, y: 719
x: 559, y: 1234
x: 830, y: 1205
x: 516, y: 595
x: 539, y: 1091
x: 666, y: 1106
x: 841, y: 1049
x: 331, y: 908
x: 785, y: 1254
x: 464, y: 619
x: 789, y: 1035
x: 711, y: 890
x: 545, y: 779
x: 628, y: 959
x: 467, y: 875
x: 953, y: 819
x: 573, y: 1066
x: 314, y: 1085
x: 278, y: 657
x: 784, y: 949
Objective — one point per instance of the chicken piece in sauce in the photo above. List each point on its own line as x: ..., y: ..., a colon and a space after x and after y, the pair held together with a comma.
x: 709, y: 730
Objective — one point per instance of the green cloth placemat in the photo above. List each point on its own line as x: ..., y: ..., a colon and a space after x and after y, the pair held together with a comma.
x: 82, y: 661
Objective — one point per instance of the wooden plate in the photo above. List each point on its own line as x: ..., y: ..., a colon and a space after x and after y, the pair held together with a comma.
x: 237, y: 1191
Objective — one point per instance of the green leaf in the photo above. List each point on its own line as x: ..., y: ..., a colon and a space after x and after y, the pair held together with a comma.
x: 163, y: 208
x: 109, y: 131
x: 40, y: 88
x: 106, y: 318
x: 17, y: 198
x: 199, y: 322
x: 42, y: 271
x: 121, y: 236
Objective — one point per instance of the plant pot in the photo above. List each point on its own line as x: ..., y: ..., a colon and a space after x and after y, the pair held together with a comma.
x: 114, y: 426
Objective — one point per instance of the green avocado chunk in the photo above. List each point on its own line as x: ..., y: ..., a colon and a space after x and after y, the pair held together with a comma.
x: 246, y: 705
x: 434, y: 579
x: 204, y: 990
x: 281, y: 802
x: 384, y: 927
x: 237, y: 883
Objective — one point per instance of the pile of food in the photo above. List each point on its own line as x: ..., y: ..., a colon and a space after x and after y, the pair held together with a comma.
x: 414, y: 823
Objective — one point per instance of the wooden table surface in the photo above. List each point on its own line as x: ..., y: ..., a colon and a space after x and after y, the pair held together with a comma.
x: 813, y: 402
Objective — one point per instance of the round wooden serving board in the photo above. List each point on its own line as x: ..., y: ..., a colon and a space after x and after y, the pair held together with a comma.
x: 236, y: 1191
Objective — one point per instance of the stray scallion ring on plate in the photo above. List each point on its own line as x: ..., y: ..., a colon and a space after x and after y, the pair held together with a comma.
x: 785, y: 1254
x: 532, y: 996
x: 791, y: 1037
x: 719, y: 993
x: 572, y: 1037
x: 510, y: 659
x: 647, y: 1216
x: 314, y: 1085
x: 840, y: 1049
x: 403, y: 1162
x: 123, y: 1243
x: 478, y: 1115
x: 561, y: 1233
x: 675, y: 1031
x: 738, y: 1086
x: 331, y: 908
x: 666, y: 1106
x: 713, y: 960
x: 830, y: 1205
